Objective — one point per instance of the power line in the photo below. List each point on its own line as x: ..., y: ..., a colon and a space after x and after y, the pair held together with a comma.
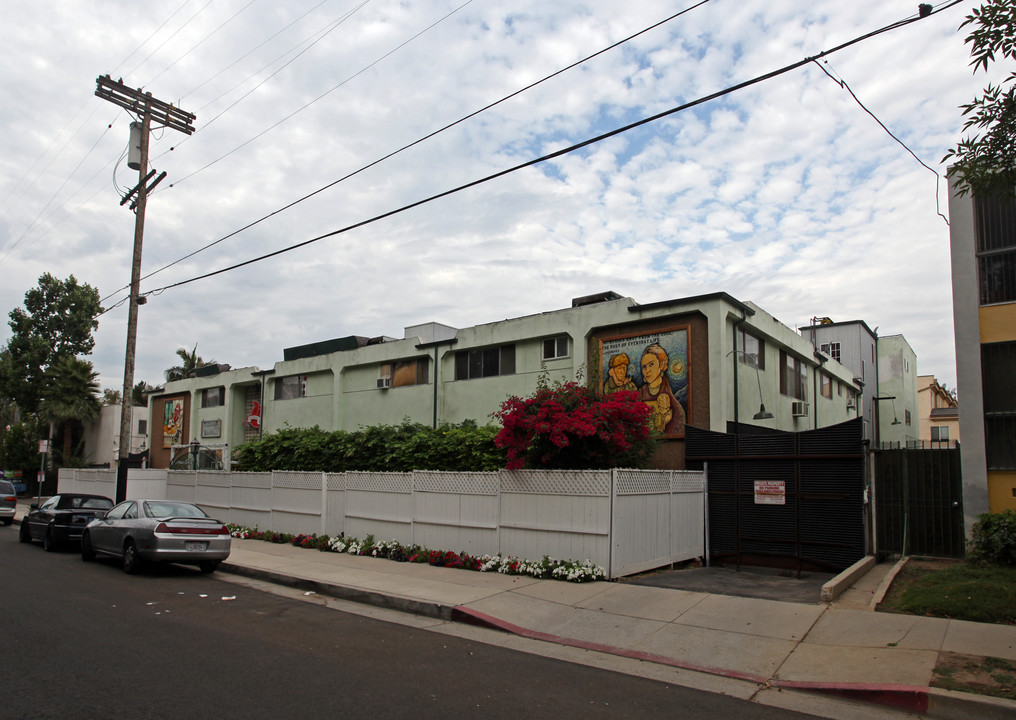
x: 558, y: 153
x: 426, y: 137
x: 843, y: 84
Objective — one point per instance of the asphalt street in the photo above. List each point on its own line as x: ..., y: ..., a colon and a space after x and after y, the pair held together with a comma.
x: 85, y: 640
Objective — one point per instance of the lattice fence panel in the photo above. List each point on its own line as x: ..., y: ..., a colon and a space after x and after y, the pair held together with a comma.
x: 297, y: 480
x: 642, y: 482
x: 380, y: 482
x: 463, y: 483
x: 255, y: 480
x: 685, y: 481
x: 336, y: 481
x: 590, y: 483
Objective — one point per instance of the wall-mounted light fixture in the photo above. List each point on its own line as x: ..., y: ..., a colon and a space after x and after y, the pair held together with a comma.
x: 762, y: 413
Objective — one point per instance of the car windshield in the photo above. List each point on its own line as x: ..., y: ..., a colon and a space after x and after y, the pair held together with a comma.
x: 160, y: 509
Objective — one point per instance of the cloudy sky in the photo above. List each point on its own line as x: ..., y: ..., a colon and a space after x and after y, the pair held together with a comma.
x: 786, y: 192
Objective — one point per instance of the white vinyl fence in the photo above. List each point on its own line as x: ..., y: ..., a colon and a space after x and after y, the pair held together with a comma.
x: 626, y: 521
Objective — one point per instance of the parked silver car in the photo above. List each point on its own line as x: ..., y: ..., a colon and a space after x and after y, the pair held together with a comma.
x: 8, y: 502
x: 140, y: 531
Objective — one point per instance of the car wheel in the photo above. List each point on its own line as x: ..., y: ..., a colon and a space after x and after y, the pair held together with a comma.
x: 87, y: 551
x: 208, y: 566
x: 48, y: 541
x: 131, y: 560
x: 24, y: 536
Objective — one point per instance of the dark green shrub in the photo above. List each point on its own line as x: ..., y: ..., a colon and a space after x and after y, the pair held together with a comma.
x: 465, y: 447
x: 993, y: 539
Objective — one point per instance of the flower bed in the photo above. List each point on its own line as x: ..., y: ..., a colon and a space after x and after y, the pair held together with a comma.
x: 547, y: 568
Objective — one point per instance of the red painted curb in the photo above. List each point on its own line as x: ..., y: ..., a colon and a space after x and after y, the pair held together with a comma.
x: 913, y: 698
x: 474, y: 617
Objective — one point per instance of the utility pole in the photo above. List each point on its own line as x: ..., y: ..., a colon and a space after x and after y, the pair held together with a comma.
x: 164, y: 114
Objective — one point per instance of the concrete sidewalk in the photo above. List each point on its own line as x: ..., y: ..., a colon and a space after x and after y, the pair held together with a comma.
x: 841, y: 648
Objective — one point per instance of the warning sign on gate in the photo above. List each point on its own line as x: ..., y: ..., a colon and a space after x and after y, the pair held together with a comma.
x: 770, y: 492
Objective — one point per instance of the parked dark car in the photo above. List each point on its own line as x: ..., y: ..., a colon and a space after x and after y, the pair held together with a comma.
x: 62, y: 518
x: 140, y: 531
x: 8, y: 502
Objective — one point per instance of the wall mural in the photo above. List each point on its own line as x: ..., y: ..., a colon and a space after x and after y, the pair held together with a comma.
x: 655, y: 365
x: 172, y: 423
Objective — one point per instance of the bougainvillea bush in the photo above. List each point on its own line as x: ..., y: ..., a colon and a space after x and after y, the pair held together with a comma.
x: 547, y: 568
x: 572, y: 426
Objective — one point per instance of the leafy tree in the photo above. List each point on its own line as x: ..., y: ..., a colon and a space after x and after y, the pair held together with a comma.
x: 572, y: 426
x: 110, y: 396
x: 70, y: 396
x: 57, y: 321
x: 19, y: 446
x: 189, y: 362
x: 985, y: 163
x: 139, y: 395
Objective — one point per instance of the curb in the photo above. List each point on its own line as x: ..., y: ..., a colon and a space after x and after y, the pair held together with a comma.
x: 927, y: 701
x: 342, y: 592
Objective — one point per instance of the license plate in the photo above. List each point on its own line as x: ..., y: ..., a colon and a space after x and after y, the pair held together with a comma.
x: 196, y: 546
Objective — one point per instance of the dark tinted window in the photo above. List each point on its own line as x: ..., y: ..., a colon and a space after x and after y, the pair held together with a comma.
x: 6, y: 488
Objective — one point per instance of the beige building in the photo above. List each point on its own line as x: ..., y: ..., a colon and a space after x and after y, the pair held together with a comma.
x: 939, y: 413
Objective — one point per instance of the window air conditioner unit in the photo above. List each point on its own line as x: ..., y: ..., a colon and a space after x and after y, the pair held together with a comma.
x: 799, y: 408
x: 384, y: 382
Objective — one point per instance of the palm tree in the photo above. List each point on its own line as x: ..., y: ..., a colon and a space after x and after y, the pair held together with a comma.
x: 71, y: 394
x: 189, y: 362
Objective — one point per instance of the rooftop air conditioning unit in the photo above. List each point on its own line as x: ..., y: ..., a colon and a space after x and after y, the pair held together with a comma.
x: 799, y: 408
x: 385, y: 382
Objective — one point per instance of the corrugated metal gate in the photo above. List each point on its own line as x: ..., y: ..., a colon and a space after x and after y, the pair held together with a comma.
x: 918, y: 502
x: 785, y: 499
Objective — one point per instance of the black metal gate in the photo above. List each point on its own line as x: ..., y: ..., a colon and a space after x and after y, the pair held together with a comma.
x: 784, y: 499
x: 918, y: 502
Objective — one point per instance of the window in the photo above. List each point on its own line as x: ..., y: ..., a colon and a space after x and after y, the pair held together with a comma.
x: 142, y: 427
x: 793, y: 376
x: 995, y: 237
x: 485, y: 362
x: 940, y: 434
x: 826, y: 385
x: 998, y: 378
x: 213, y: 397
x: 405, y: 372
x: 291, y: 386
x: 906, y: 416
x: 832, y: 349
x: 754, y: 350
x: 556, y: 347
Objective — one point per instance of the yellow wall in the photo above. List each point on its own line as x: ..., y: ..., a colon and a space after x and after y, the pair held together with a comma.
x: 998, y: 323
x: 1000, y: 491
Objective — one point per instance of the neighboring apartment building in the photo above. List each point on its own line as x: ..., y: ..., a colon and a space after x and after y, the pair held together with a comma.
x: 699, y: 360
x: 983, y: 251
x: 885, y: 403
x: 939, y: 413
x: 896, y: 404
x: 102, y: 435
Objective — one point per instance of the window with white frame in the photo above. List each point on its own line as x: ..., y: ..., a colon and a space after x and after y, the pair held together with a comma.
x: 793, y: 376
x: 832, y: 349
x: 485, y: 362
x: 753, y: 350
x: 555, y: 347
x: 940, y: 433
x: 290, y: 387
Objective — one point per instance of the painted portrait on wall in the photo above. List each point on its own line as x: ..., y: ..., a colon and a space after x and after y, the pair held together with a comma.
x: 172, y: 423
x: 655, y: 365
